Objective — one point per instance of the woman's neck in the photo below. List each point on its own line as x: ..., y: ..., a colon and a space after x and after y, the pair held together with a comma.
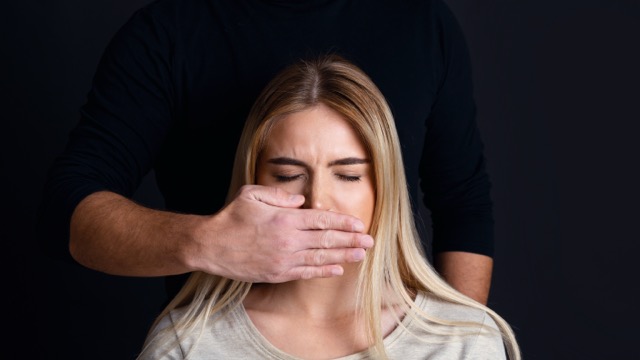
x: 320, y: 299
x: 311, y: 319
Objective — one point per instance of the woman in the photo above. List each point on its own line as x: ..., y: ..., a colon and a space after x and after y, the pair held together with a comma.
x: 322, y: 129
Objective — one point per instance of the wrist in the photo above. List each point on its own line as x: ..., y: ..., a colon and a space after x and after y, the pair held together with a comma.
x: 196, y: 247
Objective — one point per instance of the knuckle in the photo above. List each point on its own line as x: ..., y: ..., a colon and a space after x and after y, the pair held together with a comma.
x: 277, y: 271
x: 269, y: 277
x: 306, y: 273
x: 281, y: 221
x: 323, y: 221
x: 357, y: 240
x: 319, y: 257
x: 326, y: 239
x: 277, y: 192
x: 245, y: 189
x: 311, y: 258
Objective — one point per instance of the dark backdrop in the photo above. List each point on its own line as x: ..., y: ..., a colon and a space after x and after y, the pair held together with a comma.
x: 557, y: 86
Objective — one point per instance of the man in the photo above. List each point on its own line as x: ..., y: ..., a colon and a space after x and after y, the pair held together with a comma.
x: 171, y: 94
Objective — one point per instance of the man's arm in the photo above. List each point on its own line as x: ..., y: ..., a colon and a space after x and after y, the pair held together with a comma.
x: 453, y: 173
x: 86, y: 211
x: 260, y: 236
x: 467, y: 272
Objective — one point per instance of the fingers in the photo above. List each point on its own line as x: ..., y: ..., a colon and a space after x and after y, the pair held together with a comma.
x: 272, y: 196
x: 303, y: 273
x: 319, y: 257
x: 316, y: 263
x: 310, y: 272
x: 331, y: 239
x: 329, y: 220
x: 292, y: 243
x: 313, y: 218
x: 322, y: 263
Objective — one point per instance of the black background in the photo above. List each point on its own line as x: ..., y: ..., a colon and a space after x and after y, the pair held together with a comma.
x: 557, y: 85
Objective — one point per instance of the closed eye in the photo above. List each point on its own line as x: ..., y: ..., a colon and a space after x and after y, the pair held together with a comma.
x: 349, y: 177
x: 285, y: 178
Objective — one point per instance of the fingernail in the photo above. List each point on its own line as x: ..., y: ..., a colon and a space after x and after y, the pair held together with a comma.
x: 359, y: 255
x: 336, y: 271
x: 358, y: 226
x: 367, y: 241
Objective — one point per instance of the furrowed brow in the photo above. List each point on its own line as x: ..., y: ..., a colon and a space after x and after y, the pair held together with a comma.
x: 286, y: 161
x: 349, y: 161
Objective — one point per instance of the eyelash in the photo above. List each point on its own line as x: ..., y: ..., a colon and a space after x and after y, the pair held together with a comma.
x: 284, y: 179
x: 348, y: 178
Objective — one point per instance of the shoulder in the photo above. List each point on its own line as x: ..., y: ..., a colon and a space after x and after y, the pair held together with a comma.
x: 479, y: 336
x: 449, y: 311
x: 169, y: 15
x: 162, y: 342
x: 207, y: 335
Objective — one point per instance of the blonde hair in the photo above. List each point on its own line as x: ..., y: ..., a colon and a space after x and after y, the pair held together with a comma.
x: 396, y: 267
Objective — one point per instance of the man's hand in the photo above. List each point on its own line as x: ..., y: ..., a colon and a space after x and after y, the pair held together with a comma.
x: 263, y: 236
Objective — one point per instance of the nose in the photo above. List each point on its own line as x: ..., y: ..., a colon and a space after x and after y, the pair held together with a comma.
x: 317, y: 194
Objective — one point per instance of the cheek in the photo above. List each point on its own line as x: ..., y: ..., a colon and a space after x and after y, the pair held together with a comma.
x: 360, y: 204
x: 367, y: 215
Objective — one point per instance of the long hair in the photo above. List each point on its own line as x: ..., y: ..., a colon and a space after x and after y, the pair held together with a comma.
x: 396, y: 268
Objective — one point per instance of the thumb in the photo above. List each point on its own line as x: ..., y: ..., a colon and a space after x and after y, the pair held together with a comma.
x: 276, y: 197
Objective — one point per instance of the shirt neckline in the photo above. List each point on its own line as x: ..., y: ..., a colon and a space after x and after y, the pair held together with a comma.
x: 247, y: 326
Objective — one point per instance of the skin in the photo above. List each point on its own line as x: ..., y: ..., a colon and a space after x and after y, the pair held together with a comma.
x: 114, y: 235
x: 316, y: 153
x: 261, y: 236
x: 466, y: 272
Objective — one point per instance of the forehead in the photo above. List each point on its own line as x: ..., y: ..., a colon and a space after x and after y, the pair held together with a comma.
x: 318, y: 128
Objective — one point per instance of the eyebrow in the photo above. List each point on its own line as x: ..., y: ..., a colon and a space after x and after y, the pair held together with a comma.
x: 349, y: 161
x: 291, y: 161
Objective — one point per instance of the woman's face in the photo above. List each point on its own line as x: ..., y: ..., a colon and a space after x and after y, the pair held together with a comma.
x: 316, y: 153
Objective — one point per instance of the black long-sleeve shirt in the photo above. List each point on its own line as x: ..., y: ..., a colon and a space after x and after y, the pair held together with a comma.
x: 176, y: 82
